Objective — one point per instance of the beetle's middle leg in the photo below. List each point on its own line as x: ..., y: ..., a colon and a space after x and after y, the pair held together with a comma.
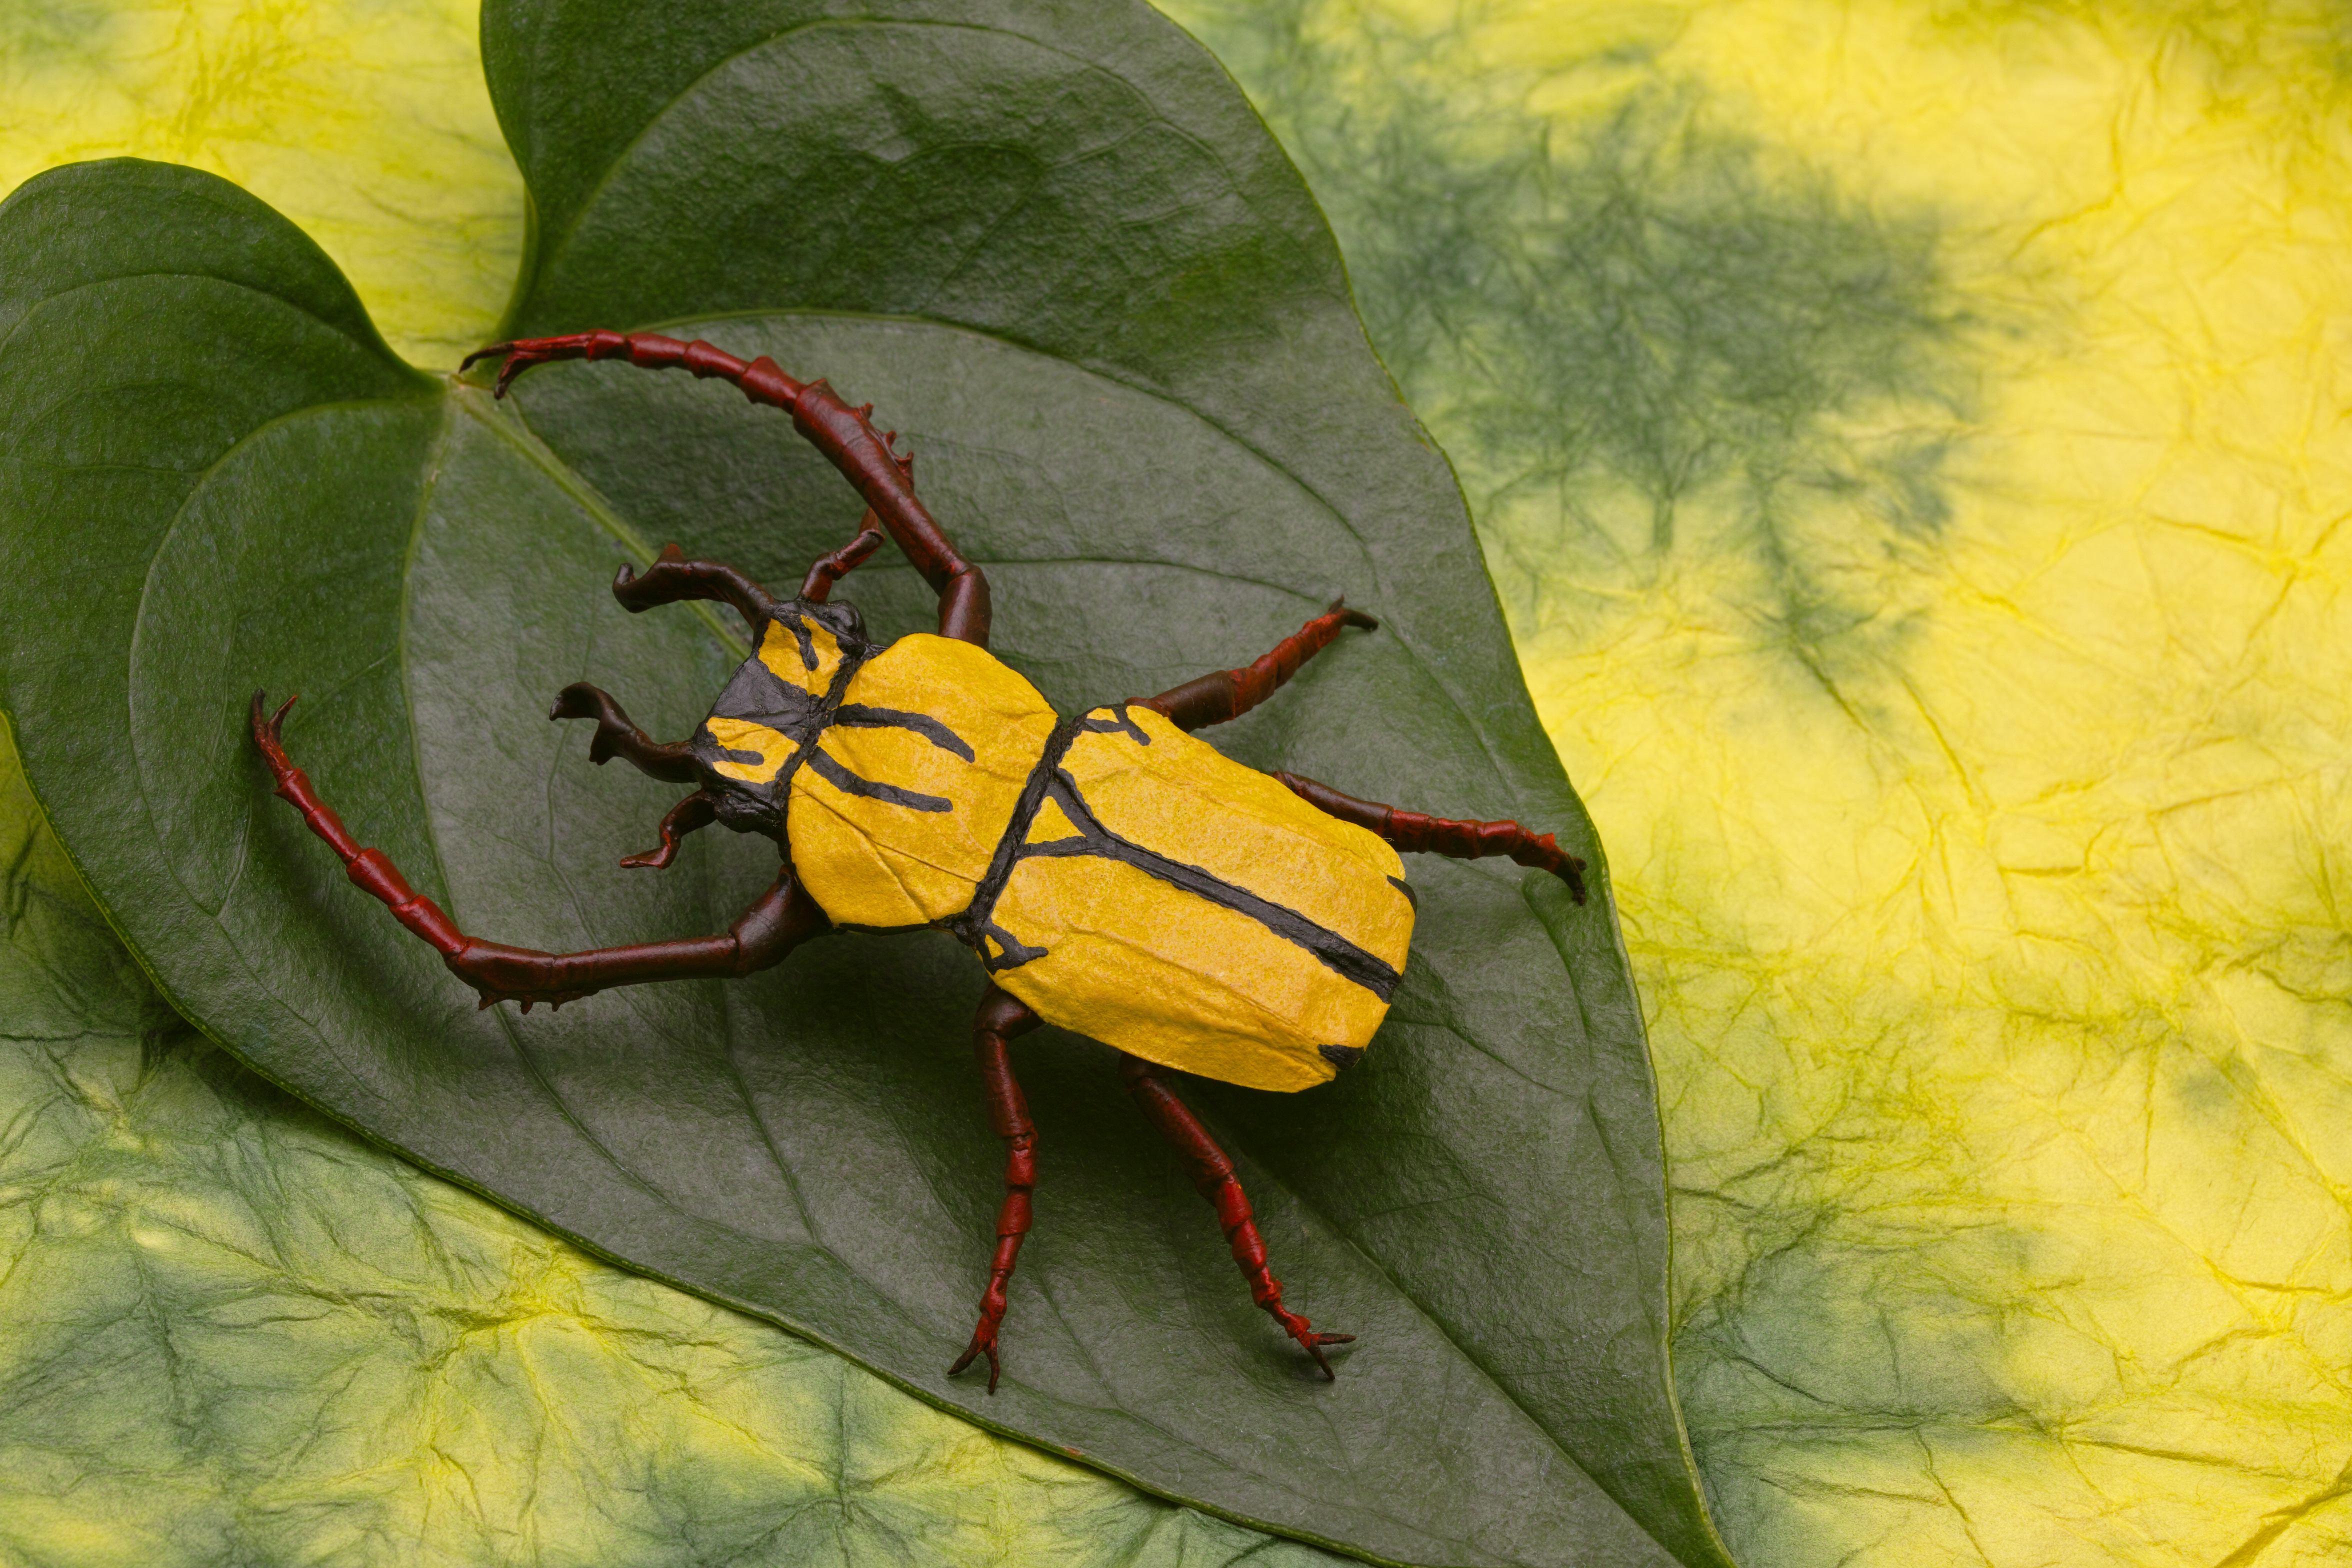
x: 1002, y: 1017
x: 1224, y: 694
x: 1416, y: 833
x: 1213, y: 1179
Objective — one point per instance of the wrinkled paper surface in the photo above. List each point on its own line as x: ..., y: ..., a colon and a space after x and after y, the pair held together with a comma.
x: 1909, y: 443
x: 1912, y: 444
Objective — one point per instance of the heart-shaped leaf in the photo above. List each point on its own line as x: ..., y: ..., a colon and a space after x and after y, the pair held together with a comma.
x: 1058, y: 251
x: 229, y: 1329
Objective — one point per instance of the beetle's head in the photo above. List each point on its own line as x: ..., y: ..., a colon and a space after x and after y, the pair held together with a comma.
x: 778, y: 701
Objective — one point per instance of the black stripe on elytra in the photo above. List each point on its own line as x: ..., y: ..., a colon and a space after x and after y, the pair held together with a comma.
x: 1117, y: 722
x: 1410, y: 896
x: 1336, y: 953
x: 973, y: 920
x: 842, y: 779
x: 1015, y: 952
x: 863, y: 716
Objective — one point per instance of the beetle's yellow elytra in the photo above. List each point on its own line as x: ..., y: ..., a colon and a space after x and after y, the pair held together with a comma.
x: 1191, y: 911
x: 1126, y: 880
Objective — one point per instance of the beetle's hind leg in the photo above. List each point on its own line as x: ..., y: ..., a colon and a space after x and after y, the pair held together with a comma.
x: 1224, y: 694
x: 1414, y: 834
x: 1213, y: 1179
x: 1002, y: 1017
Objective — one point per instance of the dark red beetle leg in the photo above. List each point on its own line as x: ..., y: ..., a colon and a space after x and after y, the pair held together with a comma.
x: 617, y: 737
x: 817, y: 587
x: 1225, y: 694
x: 1214, y: 1178
x: 782, y: 919
x: 672, y: 577
x: 1003, y: 1017
x: 1413, y: 834
x: 691, y: 815
x: 844, y: 434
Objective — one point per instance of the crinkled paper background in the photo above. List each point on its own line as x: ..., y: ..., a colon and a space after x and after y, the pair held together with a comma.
x: 1910, y: 444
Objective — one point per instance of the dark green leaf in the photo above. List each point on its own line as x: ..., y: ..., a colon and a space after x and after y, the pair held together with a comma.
x: 232, y: 1331
x: 1058, y: 251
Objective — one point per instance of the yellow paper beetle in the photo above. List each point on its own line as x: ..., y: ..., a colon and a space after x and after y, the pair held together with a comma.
x: 1117, y: 877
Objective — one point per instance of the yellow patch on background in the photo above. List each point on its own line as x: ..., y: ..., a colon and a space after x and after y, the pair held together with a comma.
x: 366, y: 123
x: 1912, y: 441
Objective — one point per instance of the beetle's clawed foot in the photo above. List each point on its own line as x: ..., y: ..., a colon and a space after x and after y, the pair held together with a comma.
x: 983, y: 1343
x: 983, y: 1337
x: 582, y: 701
x: 265, y: 725
x: 626, y: 577
x: 1549, y: 857
x: 1299, y: 1328
x: 695, y: 811
x: 501, y: 973
x: 525, y: 352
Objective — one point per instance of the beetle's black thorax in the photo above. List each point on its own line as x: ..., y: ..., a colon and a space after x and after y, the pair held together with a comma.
x: 766, y: 722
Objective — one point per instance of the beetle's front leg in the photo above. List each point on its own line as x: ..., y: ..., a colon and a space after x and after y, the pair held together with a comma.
x: 1002, y: 1017
x: 784, y: 917
x: 617, y: 737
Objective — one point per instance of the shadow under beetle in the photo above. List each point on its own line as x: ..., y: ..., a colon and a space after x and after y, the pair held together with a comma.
x: 1115, y: 876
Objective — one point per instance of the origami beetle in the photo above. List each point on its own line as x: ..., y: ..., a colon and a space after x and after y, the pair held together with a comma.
x: 1115, y: 876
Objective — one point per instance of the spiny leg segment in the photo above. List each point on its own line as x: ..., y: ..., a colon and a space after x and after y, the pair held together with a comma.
x: 779, y: 921
x: 1003, y: 1017
x: 1414, y: 834
x: 1213, y: 1179
x: 844, y: 434
x: 1224, y: 694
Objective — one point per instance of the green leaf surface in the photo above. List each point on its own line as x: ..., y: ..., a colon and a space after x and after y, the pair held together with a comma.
x: 232, y: 1331
x: 1125, y: 355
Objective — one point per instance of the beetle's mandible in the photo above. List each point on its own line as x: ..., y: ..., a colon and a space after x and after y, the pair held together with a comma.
x: 1114, y: 875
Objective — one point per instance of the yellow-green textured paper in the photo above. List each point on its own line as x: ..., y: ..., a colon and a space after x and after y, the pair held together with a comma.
x: 1913, y: 443
x: 1910, y: 441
